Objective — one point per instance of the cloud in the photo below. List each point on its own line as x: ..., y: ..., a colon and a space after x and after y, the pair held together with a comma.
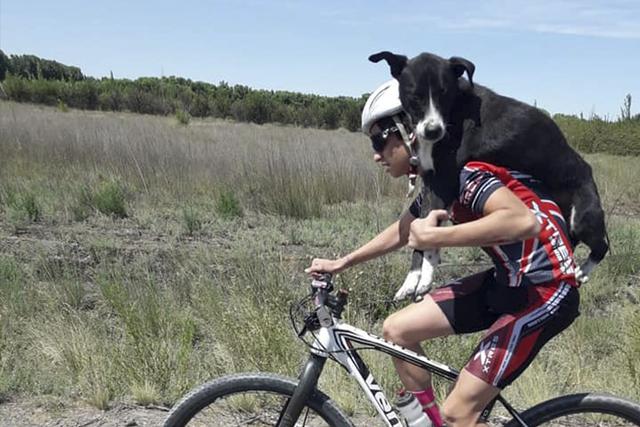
x: 610, y: 19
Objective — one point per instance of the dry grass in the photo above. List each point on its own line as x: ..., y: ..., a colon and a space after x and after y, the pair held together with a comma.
x: 274, y: 169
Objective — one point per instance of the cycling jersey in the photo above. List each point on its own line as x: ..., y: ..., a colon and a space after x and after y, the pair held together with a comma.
x: 545, y: 258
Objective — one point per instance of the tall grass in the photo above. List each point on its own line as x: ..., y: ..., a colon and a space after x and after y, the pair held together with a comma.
x: 106, y: 307
x: 275, y: 169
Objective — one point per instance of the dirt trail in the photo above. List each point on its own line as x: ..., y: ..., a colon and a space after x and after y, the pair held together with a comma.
x: 28, y: 413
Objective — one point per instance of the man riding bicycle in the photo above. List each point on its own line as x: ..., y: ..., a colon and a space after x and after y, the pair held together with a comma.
x: 527, y: 298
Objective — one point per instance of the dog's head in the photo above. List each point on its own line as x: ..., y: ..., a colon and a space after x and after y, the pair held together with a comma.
x: 428, y: 89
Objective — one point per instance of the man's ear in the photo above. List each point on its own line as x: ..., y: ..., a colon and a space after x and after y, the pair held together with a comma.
x: 396, y: 62
x: 460, y: 65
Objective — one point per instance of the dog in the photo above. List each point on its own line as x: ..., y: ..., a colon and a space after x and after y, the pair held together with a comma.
x: 456, y: 121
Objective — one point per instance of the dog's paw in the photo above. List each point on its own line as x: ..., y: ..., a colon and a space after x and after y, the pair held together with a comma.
x: 426, y: 277
x: 409, y: 286
x: 423, y: 287
x: 583, y: 271
x: 418, y: 282
x: 581, y: 276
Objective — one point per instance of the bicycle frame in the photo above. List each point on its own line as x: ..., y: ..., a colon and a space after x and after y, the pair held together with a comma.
x: 337, y: 342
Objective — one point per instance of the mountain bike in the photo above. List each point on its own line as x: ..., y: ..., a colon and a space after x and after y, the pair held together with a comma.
x: 263, y: 399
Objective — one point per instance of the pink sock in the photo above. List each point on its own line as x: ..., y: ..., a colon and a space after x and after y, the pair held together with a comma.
x: 429, y: 406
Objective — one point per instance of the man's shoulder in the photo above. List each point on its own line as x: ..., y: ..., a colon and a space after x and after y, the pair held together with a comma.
x: 474, y: 165
x: 505, y: 175
x: 474, y: 173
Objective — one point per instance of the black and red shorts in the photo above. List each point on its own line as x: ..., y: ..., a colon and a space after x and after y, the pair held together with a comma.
x: 518, y: 321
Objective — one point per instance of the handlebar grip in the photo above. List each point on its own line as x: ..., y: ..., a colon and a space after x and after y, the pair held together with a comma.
x: 322, y: 281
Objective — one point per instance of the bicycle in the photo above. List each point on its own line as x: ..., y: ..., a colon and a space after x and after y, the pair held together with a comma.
x: 269, y: 399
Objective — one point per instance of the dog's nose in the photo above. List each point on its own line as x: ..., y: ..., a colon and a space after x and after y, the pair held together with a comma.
x: 432, y: 131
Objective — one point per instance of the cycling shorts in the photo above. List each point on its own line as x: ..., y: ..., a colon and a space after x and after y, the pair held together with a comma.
x: 518, y: 321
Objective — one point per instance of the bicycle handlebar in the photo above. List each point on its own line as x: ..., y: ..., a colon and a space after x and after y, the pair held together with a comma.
x: 326, y: 305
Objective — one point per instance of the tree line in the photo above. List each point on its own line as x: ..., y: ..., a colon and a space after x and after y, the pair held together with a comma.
x: 27, y: 78
x: 32, y: 67
x: 600, y: 135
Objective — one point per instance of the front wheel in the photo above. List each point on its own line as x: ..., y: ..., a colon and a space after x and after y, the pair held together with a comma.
x: 250, y: 399
x: 584, y: 410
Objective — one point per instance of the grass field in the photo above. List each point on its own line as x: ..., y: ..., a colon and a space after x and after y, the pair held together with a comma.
x: 139, y: 257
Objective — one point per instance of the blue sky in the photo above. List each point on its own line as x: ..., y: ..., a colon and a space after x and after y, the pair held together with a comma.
x: 568, y: 56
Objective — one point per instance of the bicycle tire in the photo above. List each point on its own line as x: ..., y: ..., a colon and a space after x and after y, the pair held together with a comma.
x: 245, y: 384
x: 582, y: 410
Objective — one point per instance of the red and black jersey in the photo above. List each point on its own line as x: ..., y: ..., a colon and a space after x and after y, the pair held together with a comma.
x: 547, y: 257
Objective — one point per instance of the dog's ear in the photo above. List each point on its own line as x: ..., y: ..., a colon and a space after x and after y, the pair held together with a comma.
x: 460, y: 65
x: 396, y: 62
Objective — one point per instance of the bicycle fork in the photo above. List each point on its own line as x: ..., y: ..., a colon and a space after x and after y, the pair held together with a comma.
x: 307, y: 383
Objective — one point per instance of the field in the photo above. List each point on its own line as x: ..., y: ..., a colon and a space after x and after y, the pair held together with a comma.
x: 140, y: 257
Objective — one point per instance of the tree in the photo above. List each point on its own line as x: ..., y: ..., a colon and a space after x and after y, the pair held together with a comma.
x: 625, y: 110
x: 4, y: 65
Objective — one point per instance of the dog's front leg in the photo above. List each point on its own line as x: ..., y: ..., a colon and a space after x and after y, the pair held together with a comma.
x: 418, y: 281
x: 423, y: 263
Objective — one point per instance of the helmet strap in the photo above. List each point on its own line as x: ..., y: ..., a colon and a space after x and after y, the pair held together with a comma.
x: 409, y: 140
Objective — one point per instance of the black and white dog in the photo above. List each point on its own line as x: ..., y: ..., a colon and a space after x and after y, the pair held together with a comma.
x: 457, y: 121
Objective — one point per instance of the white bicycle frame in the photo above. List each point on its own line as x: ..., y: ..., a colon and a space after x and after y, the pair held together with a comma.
x: 337, y: 341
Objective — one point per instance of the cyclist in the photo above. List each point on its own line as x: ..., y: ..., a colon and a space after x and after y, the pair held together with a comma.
x: 528, y: 297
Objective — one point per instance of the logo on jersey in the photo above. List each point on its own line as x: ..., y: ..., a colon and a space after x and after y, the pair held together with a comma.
x: 471, y: 186
x: 558, y: 246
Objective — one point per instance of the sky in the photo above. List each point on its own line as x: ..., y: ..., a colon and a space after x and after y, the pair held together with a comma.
x: 565, y: 56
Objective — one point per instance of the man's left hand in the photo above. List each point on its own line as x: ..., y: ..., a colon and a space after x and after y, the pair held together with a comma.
x: 421, y: 231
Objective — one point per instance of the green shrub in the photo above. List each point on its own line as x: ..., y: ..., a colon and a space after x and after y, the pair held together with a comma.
x: 82, y: 206
x: 228, y: 205
x: 294, y: 199
x: 110, y: 199
x: 30, y: 206
x: 107, y: 197
x: 7, y: 196
x: 191, y: 220
x: 598, y: 135
x: 22, y: 206
x: 46, y: 91
x: 16, y: 88
x: 62, y: 106
x: 183, y: 117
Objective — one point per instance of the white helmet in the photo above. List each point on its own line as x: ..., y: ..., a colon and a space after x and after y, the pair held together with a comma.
x: 383, y: 102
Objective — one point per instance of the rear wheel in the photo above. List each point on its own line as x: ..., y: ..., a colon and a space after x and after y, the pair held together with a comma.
x: 251, y: 399
x: 584, y: 410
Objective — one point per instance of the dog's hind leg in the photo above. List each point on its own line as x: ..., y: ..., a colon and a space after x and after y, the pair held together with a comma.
x: 587, y: 225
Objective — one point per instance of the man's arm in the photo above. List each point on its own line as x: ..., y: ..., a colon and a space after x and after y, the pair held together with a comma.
x: 505, y: 219
x: 393, y: 237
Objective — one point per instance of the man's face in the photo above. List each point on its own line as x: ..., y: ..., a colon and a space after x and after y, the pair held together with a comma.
x: 389, y: 151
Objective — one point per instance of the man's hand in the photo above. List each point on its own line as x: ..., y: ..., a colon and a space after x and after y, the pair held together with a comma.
x: 421, y: 230
x: 319, y: 265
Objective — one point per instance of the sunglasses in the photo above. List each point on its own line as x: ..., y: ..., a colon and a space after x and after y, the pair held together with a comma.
x: 379, y: 140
